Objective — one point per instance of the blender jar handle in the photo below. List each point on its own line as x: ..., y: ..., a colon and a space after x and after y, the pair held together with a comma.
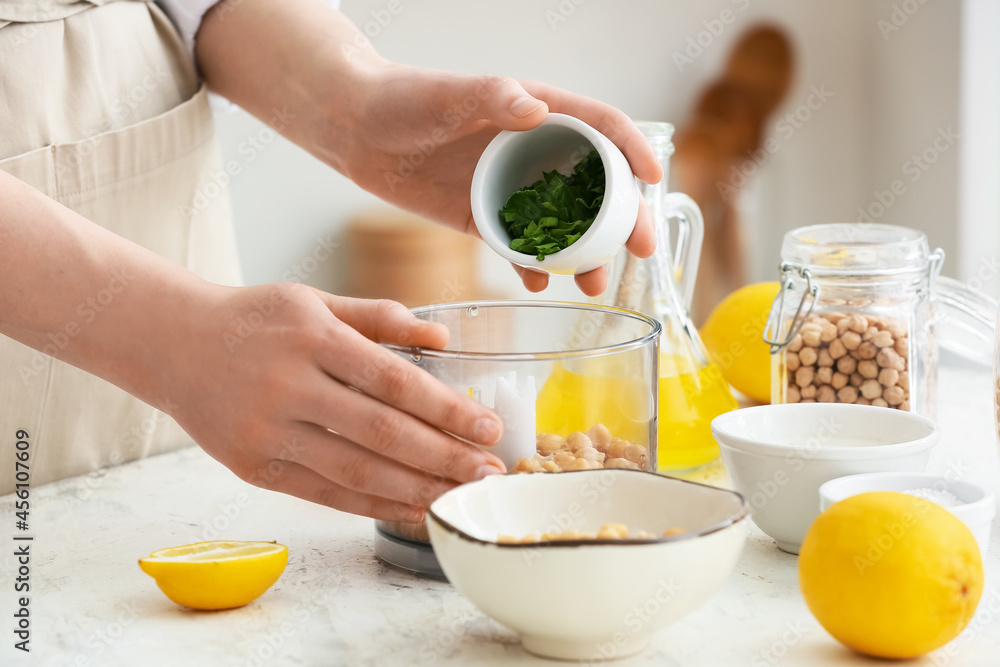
x: 690, y: 234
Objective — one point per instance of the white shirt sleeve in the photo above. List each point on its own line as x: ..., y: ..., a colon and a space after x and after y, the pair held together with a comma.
x: 186, y: 16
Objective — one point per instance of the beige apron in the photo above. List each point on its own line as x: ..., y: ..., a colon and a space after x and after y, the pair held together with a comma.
x: 101, y: 109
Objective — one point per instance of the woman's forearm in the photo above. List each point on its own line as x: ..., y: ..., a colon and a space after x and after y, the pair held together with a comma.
x: 75, y: 291
x: 306, y: 401
x: 297, y: 61
x: 410, y: 136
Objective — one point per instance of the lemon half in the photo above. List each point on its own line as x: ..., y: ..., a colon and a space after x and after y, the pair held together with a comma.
x: 890, y: 574
x: 221, y: 574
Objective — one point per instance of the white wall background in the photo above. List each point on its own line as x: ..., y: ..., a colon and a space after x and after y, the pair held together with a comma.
x: 893, y: 91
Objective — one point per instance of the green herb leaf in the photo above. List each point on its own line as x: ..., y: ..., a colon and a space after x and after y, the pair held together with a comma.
x: 553, y: 213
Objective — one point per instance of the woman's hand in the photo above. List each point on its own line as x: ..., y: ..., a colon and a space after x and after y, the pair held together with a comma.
x: 285, y: 385
x: 289, y: 388
x: 411, y: 136
x: 419, y: 134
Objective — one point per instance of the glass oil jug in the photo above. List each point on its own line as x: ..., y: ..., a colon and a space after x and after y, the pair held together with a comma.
x: 692, y: 390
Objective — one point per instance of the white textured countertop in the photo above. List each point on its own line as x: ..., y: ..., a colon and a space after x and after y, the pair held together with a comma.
x: 337, y: 605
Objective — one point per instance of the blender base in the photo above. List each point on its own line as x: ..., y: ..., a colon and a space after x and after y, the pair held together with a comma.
x: 413, y: 557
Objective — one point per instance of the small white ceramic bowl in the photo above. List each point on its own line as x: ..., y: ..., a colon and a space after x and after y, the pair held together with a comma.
x: 976, y: 508
x: 779, y: 455
x: 516, y: 159
x: 587, y: 600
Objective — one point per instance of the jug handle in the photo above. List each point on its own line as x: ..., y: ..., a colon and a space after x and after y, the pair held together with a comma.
x: 690, y: 234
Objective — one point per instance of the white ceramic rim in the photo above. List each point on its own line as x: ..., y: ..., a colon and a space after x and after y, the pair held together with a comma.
x: 725, y: 427
x: 489, y: 224
x: 831, y: 492
x: 732, y: 520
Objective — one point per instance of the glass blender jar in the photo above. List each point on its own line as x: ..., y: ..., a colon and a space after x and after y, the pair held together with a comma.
x: 550, y: 370
x: 692, y: 390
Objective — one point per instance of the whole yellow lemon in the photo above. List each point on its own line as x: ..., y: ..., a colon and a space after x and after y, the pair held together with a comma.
x: 890, y: 574
x: 733, y: 336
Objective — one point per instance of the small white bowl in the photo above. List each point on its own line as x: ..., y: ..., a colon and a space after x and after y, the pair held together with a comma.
x: 516, y: 159
x: 779, y: 455
x: 976, y: 509
x: 590, y: 600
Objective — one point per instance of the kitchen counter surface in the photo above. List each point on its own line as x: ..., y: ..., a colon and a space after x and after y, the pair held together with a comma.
x: 336, y: 604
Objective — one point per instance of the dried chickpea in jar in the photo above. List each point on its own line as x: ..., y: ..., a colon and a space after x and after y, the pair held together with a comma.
x: 867, y: 292
x: 848, y: 358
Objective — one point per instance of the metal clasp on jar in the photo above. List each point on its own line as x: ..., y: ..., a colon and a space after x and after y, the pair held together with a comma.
x: 775, y: 319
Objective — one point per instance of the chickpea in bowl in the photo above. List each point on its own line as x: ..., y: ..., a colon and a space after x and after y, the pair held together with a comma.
x: 547, y: 591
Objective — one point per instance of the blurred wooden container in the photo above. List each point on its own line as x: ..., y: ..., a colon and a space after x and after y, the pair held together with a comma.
x: 396, y: 255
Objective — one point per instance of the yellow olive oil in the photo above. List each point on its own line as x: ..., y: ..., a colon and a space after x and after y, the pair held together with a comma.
x: 571, y: 401
x: 689, y: 399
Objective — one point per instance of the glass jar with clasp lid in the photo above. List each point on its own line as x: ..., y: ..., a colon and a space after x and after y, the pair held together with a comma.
x: 859, y: 316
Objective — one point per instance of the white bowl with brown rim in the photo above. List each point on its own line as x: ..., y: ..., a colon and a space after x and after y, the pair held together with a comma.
x: 589, y: 600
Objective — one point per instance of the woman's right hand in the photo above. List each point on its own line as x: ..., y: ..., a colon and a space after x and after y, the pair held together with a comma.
x: 285, y: 385
x: 411, y: 136
x: 288, y: 387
